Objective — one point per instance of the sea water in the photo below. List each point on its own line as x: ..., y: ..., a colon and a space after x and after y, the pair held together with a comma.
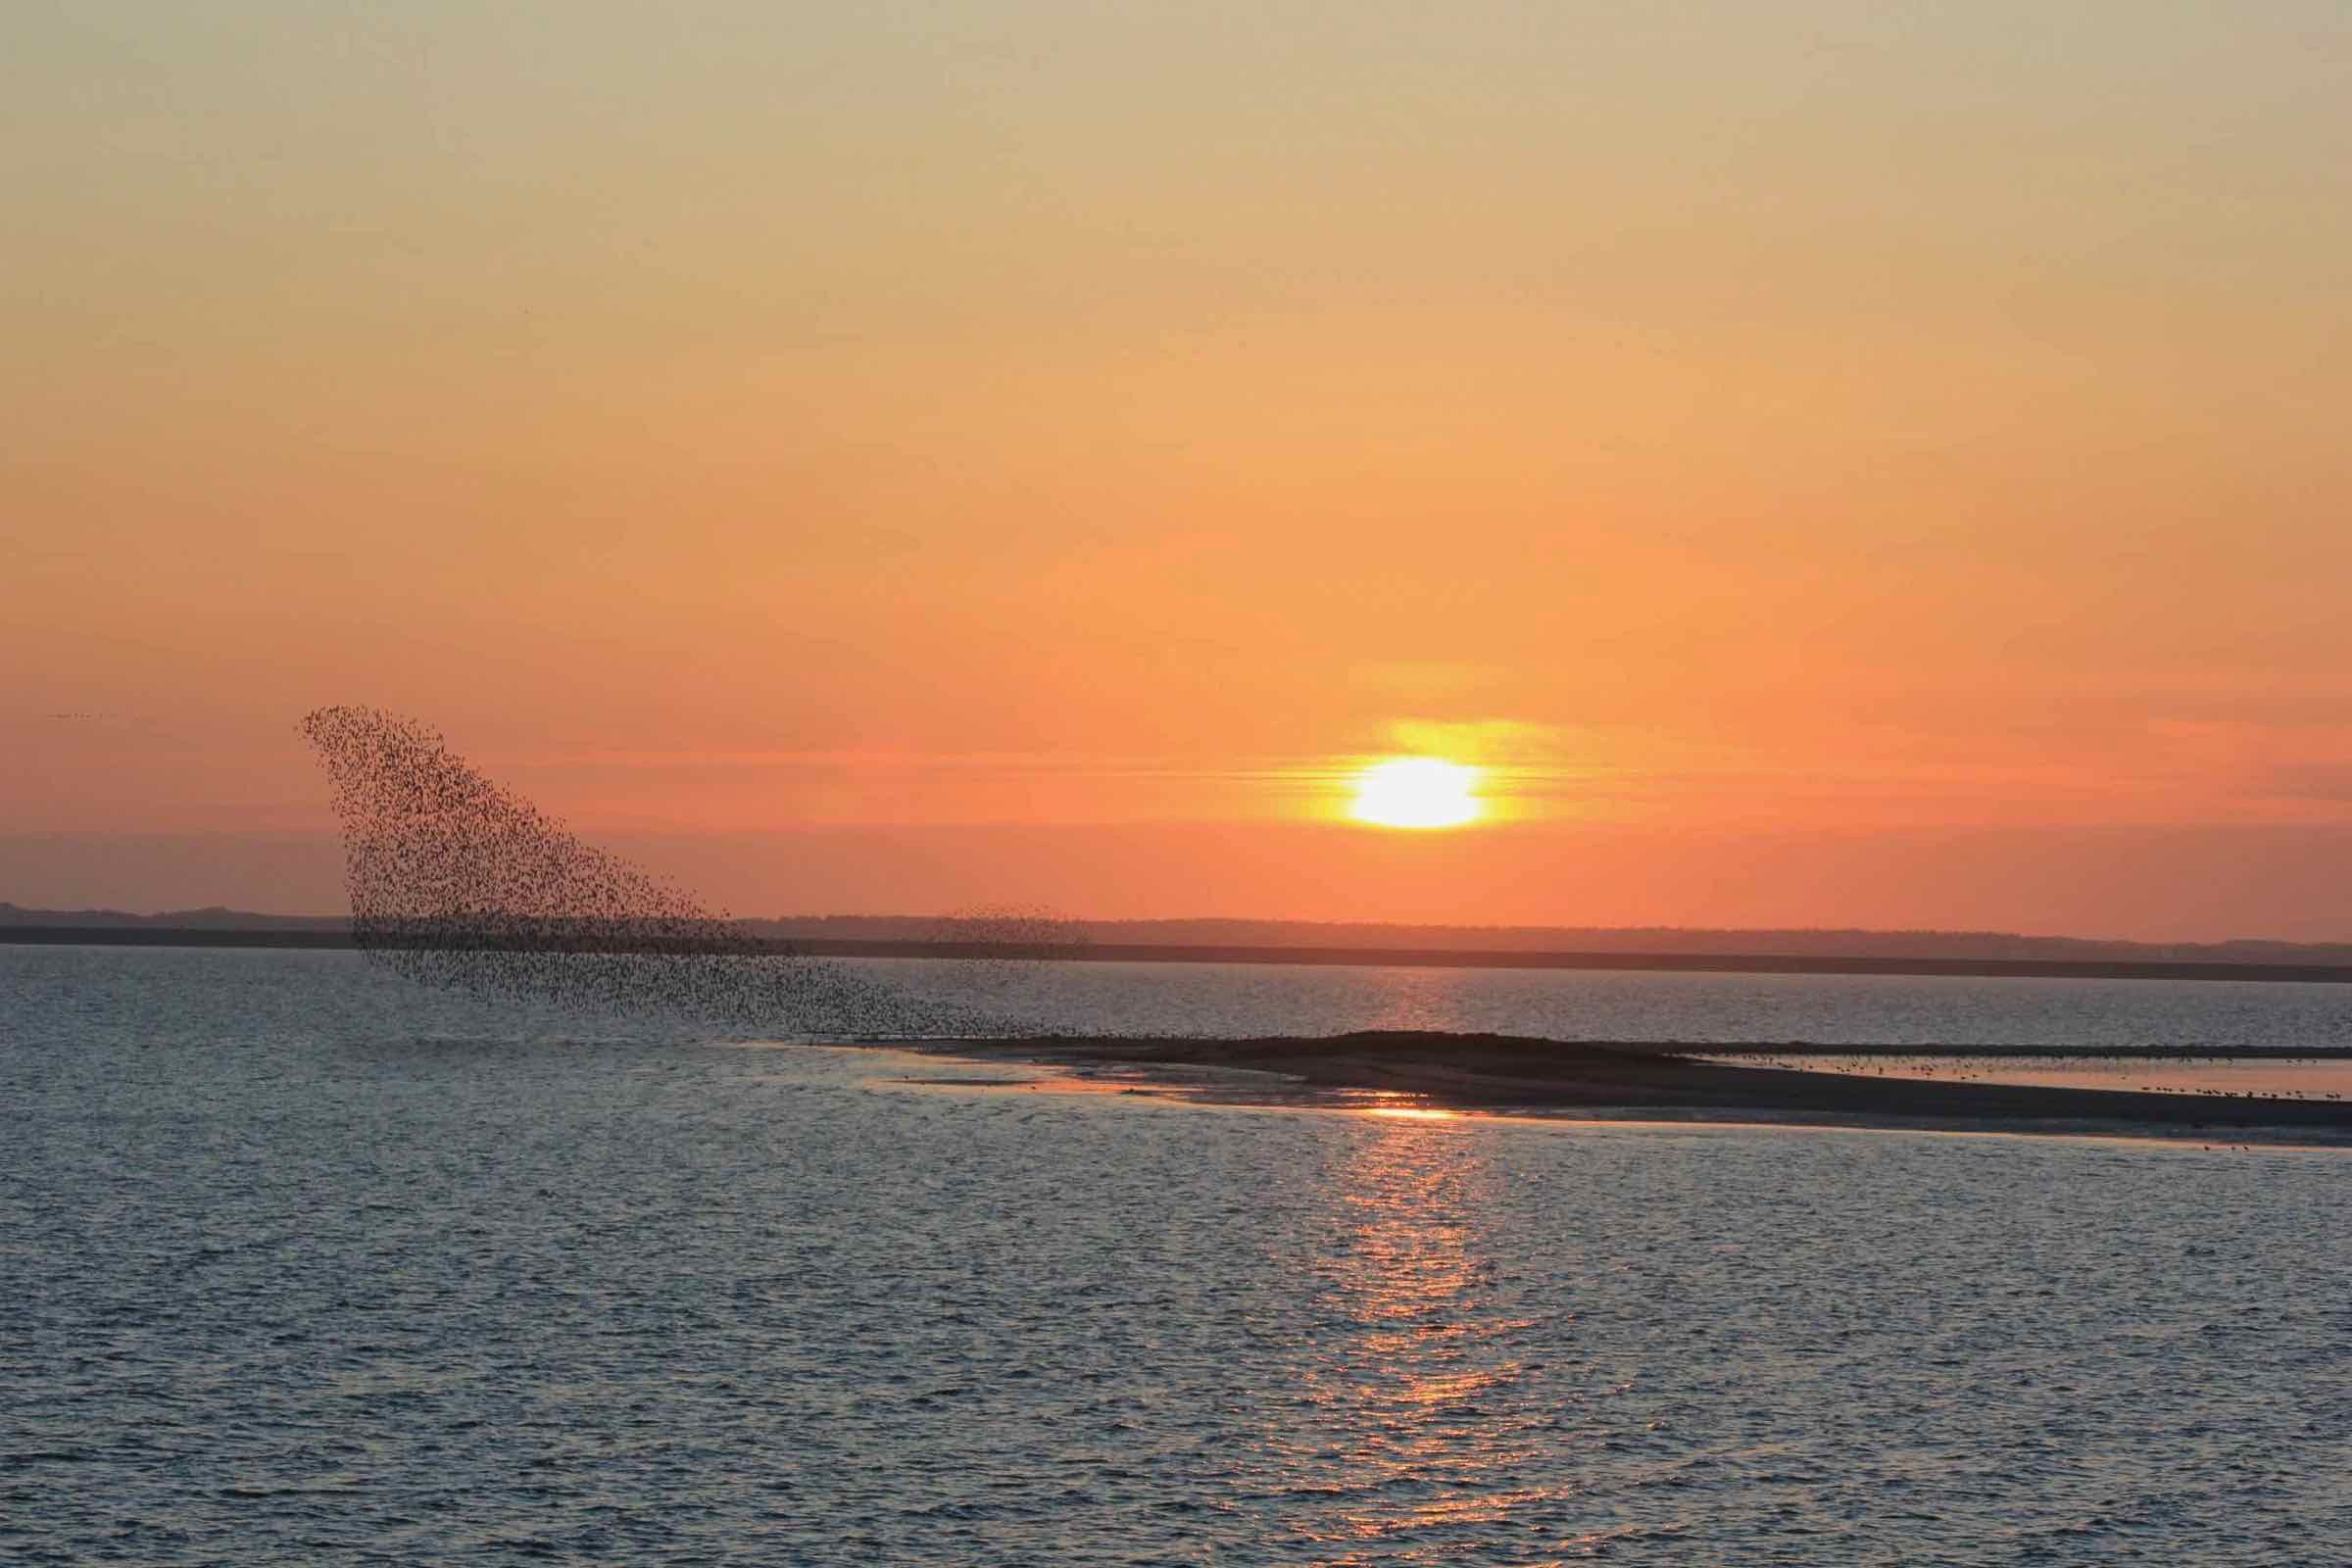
x: 299, y: 1262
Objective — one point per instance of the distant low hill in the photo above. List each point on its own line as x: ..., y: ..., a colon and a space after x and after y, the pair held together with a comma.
x: 213, y: 917
x: 1934, y: 946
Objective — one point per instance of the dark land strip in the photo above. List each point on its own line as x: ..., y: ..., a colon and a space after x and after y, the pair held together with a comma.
x: 1874, y: 1051
x: 1507, y: 1072
x: 1370, y: 957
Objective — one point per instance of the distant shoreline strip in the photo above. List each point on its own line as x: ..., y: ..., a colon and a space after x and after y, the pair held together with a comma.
x: 1357, y: 957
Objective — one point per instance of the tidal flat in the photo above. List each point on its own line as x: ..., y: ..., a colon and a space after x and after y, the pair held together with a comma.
x: 1494, y: 1072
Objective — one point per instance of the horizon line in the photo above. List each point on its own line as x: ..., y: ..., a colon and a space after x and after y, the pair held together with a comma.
x: 969, y: 916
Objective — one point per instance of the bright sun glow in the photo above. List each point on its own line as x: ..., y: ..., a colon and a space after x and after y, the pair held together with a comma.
x: 1416, y: 791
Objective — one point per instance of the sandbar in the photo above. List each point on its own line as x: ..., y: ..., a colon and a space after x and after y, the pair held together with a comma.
x: 1510, y: 1073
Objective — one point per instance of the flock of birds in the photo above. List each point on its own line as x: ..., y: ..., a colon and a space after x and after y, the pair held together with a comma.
x: 457, y: 882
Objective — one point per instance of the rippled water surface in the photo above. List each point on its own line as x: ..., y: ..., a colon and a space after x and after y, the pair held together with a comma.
x: 298, y: 1263
x: 1939, y: 1012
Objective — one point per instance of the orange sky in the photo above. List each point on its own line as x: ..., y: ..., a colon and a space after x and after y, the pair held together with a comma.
x: 1836, y: 462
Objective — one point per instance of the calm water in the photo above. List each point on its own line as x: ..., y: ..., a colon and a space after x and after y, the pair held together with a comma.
x: 298, y: 1263
x: 1630, y: 1004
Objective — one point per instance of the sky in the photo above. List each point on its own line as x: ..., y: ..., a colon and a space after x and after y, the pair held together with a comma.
x: 1829, y: 462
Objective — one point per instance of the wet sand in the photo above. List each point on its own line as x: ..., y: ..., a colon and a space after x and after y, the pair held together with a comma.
x: 1513, y: 1073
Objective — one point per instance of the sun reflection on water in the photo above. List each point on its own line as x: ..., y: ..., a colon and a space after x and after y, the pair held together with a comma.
x: 1426, y: 1352
x: 1413, y: 1113
x: 1416, y: 998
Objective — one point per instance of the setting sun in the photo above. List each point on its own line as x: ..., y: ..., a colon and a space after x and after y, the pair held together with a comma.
x: 1416, y: 791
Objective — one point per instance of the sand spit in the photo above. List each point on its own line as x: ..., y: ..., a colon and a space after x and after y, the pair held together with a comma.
x: 1515, y: 1073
